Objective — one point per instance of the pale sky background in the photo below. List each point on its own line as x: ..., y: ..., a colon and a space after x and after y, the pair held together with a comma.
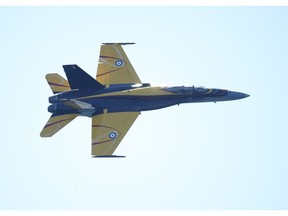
x: 224, y: 156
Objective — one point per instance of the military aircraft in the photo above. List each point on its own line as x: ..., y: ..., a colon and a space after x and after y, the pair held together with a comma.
x: 115, y: 98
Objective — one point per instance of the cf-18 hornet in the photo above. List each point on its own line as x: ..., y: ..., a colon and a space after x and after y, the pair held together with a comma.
x: 115, y: 98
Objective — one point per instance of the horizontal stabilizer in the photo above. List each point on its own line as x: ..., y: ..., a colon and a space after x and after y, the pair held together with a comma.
x: 79, y: 79
x: 56, y: 123
x: 57, y: 83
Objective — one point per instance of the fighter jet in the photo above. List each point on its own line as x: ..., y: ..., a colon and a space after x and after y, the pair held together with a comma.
x: 115, y: 98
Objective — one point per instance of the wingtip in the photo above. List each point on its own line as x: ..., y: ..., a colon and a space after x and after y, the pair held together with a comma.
x: 108, y: 156
x: 43, y: 135
x: 128, y: 43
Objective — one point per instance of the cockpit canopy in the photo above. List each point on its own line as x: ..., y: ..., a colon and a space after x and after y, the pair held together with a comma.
x: 187, y: 89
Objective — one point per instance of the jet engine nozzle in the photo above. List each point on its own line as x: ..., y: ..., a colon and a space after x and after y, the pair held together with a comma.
x: 58, y: 108
x: 54, y: 99
x: 52, y: 108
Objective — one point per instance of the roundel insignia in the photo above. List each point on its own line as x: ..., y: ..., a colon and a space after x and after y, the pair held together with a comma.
x: 119, y: 63
x: 112, y: 135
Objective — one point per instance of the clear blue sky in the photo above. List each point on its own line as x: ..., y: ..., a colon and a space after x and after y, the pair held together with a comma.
x: 224, y: 156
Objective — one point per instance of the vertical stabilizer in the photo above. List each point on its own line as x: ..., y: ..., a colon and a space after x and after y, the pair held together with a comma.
x: 79, y: 79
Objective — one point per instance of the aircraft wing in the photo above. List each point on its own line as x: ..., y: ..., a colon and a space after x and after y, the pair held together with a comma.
x: 108, y: 129
x: 114, y: 66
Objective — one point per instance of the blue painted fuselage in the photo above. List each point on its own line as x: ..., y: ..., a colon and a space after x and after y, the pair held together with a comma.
x: 134, y: 98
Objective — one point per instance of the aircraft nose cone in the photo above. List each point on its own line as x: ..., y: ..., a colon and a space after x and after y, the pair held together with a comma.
x: 237, y: 95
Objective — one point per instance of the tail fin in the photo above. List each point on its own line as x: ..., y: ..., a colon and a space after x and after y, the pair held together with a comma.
x: 79, y: 79
x: 56, y: 123
x: 57, y: 83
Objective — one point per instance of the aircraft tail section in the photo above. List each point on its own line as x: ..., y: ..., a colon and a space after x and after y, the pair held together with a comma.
x: 57, y: 83
x: 56, y: 123
x: 79, y: 79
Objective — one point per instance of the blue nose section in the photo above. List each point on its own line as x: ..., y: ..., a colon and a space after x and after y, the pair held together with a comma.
x: 232, y: 95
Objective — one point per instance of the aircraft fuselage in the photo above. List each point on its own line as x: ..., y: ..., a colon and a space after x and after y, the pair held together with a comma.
x: 134, y: 98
